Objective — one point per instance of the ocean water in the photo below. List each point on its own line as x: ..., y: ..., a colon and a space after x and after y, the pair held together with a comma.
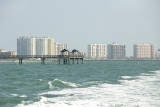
x: 92, y: 84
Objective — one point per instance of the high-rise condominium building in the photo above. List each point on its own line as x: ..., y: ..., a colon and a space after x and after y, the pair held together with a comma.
x: 59, y: 47
x: 35, y: 46
x: 97, y: 51
x: 44, y: 46
x: 144, y: 50
x: 26, y: 45
x: 116, y: 51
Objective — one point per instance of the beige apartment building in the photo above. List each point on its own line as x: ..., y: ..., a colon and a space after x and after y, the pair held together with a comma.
x: 144, y: 51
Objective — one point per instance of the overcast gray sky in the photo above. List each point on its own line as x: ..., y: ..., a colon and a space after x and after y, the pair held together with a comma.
x: 81, y: 22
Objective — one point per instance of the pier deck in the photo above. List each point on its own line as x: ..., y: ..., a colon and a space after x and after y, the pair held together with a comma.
x: 64, y: 58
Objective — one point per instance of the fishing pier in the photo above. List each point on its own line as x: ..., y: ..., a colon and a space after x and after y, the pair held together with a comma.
x: 66, y: 57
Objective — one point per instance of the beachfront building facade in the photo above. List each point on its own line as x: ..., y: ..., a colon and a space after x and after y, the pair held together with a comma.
x: 144, y: 50
x: 35, y: 46
x: 59, y: 47
x: 97, y: 51
x: 116, y: 51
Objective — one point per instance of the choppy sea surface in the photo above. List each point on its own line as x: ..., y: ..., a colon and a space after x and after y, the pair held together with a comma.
x: 92, y: 84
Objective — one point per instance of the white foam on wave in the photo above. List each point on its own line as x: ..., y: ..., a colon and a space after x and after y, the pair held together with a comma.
x: 16, y: 95
x: 40, y: 79
x: 140, y: 92
x: 126, y: 77
x: 23, y: 96
x: 51, y: 84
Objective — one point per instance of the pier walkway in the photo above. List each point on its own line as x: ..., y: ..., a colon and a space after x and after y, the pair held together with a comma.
x: 64, y: 58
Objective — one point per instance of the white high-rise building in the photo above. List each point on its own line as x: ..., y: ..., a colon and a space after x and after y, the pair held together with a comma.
x: 44, y: 46
x: 97, y: 51
x: 35, y: 46
x: 59, y: 47
x: 116, y: 51
x: 144, y: 51
x: 26, y: 45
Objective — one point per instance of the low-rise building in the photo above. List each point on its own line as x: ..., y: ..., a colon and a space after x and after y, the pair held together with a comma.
x: 2, y: 50
x: 10, y: 53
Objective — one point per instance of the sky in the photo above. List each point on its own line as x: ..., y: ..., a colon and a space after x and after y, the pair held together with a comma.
x: 79, y: 23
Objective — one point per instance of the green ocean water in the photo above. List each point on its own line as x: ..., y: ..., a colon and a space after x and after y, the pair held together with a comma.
x: 92, y: 84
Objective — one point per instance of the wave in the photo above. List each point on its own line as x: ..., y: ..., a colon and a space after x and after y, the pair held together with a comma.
x: 16, y: 95
x: 126, y: 77
x: 56, y: 83
x: 141, y: 91
x: 23, y: 96
x: 40, y: 79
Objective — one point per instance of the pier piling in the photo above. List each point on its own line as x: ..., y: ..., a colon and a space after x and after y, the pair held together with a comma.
x: 20, y: 61
x: 42, y: 60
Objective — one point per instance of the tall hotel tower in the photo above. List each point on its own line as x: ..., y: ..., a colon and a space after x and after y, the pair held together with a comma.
x: 116, y: 51
x: 144, y: 51
x: 35, y: 46
x: 97, y: 51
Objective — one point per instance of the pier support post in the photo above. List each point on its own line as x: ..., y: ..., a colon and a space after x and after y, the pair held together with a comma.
x: 64, y: 61
x: 73, y: 61
x: 20, y: 61
x: 68, y: 60
x: 59, y: 61
x: 42, y: 60
x: 82, y: 60
x: 77, y: 60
